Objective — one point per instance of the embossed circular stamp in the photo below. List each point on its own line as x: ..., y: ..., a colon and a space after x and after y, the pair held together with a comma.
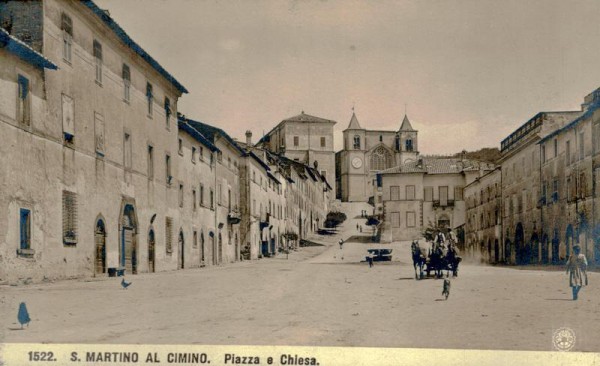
x: 563, y: 339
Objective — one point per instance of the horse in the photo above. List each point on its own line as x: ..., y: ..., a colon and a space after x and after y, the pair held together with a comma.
x: 452, y: 260
x: 418, y: 259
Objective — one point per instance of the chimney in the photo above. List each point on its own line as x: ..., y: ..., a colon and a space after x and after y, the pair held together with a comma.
x: 249, y: 138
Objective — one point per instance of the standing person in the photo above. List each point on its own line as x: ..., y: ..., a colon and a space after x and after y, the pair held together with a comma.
x: 341, y: 243
x: 576, y: 268
x: 370, y: 259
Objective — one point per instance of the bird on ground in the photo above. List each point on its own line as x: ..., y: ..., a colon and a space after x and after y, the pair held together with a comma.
x: 125, y: 284
x: 23, y: 315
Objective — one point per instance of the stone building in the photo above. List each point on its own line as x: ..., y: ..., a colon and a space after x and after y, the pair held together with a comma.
x: 424, y: 193
x: 229, y: 157
x: 367, y: 152
x: 483, y: 226
x: 197, y: 234
x: 306, y: 139
x: 91, y: 164
x: 522, y: 192
x: 569, y: 189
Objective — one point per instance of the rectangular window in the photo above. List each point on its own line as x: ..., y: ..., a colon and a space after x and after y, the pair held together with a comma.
x: 219, y: 193
x: 458, y: 193
x: 127, y: 152
x: 410, y: 219
x: 296, y: 140
x: 150, y: 162
x: 201, y: 194
x: 169, y: 235
x: 193, y: 154
x: 126, y: 74
x: 543, y: 154
x: 25, y: 229
x: 555, y: 147
x: 395, y: 219
x: 394, y: 193
x: 99, y: 133
x: 443, y: 193
x: 98, y: 60
x: 568, y: 153
x: 66, y: 25
x: 428, y: 193
x: 194, y: 199
x: 180, y: 146
x: 555, y: 190
x: 169, y: 177
x: 68, y: 118
x: 23, y: 107
x: 322, y: 141
x: 201, y: 156
x: 180, y: 195
x: 212, y: 199
x: 149, y: 98
x: 69, y: 218
x: 168, y: 113
x: 410, y: 192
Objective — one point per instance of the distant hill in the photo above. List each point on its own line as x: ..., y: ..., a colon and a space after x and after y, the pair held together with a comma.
x: 487, y: 154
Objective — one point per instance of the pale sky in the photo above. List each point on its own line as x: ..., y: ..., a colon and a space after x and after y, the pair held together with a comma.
x: 469, y: 71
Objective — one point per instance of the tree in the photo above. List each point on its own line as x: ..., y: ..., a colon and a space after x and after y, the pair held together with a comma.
x: 334, y: 219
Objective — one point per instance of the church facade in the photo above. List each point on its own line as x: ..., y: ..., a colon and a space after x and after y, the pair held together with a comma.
x: 367, y: 152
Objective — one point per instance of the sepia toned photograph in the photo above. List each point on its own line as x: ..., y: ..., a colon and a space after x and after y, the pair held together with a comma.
x: 389, y: 175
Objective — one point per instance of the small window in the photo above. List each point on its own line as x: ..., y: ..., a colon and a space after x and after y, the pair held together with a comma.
x: 394, y: 193
x: 180, y: 147
x: 201, y: 194
x: 169, y: 177
x: 98, y: 60
x: 568, y: 152
x: 581, y: 146
x: 395, y: 219
x: 149, y: 98
x: 409, y: 145
x: 67, y: 32
x: 410, y: 219
x: 126, y: 74
x: 410, y: 192
x: 168, y: 112
x: 201, y: 153
x: 23, y: 107
x: 458, y: 193
x: 180, y: 195
x: 212, y: 199
x: 69, y: 218
x: 194, y: 199
x: 296, y: 140
x: 322, y: 141
x: 555, y: 147
x: 150, y: 162
x: 380, y: 138
x: 193, y: 154
x: 195, y: 243
x: 25, y: 230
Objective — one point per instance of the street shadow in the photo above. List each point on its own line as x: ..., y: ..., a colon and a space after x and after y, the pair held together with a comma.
x: 440, y: 300
x: 363, y: 239
x: 406, y: 278
x: 16, y: 328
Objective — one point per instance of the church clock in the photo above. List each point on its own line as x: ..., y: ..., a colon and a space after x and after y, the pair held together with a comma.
x: 356, y: 163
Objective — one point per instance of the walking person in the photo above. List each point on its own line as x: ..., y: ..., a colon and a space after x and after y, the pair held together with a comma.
x: 341, y: 243
x: 370, y: 259
x: 577, y: 271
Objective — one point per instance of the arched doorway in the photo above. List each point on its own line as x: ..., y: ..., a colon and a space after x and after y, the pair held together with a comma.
x: 100, y: 241
x: 127, y: 249
x: 151, y: 251
x: 181, y: 251
x: 535, y: 248
x: 522, y: 249
x: 555, y: 247
x: 496, y: 251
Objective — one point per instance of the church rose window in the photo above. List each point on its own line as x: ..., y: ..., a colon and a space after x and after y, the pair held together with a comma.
x: 381, y: 159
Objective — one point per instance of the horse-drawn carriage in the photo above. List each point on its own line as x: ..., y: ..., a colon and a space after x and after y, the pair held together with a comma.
x: 438, y: 259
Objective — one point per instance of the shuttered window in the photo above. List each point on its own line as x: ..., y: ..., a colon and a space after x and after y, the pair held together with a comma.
x: 23, y: 100
x: 149, y: 97
x: 410, y: 192
x: 458, y: 193
x: 395, y: 219
x: 394, y: 193
x: 66, y: 25
x: 98, y: 60
x: 168, y: 112
x: 169, y: 235
x: 410, y: 219
x: 69, y: 218
x: 428, y: 192
x: 126, y: 74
